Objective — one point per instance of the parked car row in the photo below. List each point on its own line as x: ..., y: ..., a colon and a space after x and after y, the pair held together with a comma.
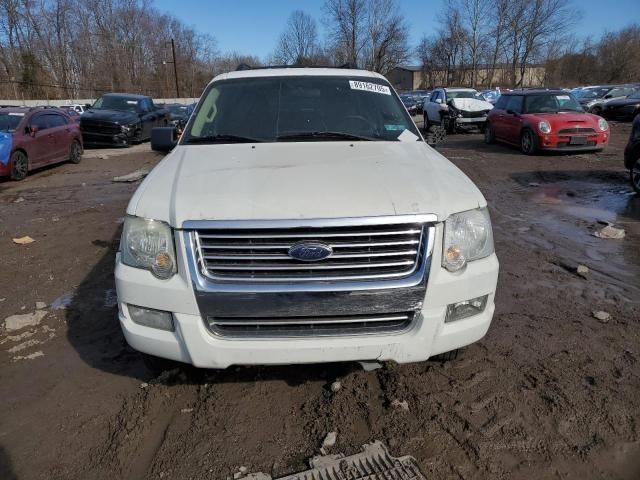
x: 33, y: 137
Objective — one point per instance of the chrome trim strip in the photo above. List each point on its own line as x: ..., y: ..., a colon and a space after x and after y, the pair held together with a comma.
x: 310, y: 222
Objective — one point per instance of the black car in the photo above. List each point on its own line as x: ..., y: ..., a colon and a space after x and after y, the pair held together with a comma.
x: 624, y: 109
x: 121, y: 119
x: 179, y: 114
x: 410, y: 102
x: 632, y: 155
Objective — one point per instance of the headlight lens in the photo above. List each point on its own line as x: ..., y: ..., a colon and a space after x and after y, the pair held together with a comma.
x: 148, y: 244
x: 603, y: 125
x: 467, y: 236
x: 544, y: 126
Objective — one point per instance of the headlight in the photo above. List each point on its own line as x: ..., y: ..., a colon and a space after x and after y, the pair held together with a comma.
x: 467, y: 236
x: 148, y: 244
x: 544, y: 126
x: 603, y: 125
x: 125, y: 129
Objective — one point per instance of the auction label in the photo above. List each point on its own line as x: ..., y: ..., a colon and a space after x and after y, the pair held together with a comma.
x: 369, y: 87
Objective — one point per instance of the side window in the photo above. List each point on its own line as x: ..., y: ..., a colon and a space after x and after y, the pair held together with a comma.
x: 435, y: 95
x: 39, y: 121
x: 502, y: 102
x: 55, y: 120
x: 515, y: 103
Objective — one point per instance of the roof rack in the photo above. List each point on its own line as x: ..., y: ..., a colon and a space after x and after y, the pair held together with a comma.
x: 244, y: 66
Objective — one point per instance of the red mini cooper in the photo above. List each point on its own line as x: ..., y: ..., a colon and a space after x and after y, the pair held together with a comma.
x: 550, y: 120
x: 34, y: 137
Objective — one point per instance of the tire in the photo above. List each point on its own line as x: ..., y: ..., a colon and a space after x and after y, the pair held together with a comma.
x: 448, y: 356
x: 19, y: 165
x: 435, y: 135
x: 450, y: 125
x: 528, y: 142
x: 634, y: 176
x: 75, y: 152
x: 489, y: 136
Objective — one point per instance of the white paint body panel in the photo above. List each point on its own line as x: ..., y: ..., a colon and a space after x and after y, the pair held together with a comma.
x: 302, y: 180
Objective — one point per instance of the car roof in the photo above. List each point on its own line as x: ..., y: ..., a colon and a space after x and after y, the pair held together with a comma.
x: 298, y: 72
x: 460, y: 89
x: 14, y: 109
x: 536, y: 91
x: 126, y: 95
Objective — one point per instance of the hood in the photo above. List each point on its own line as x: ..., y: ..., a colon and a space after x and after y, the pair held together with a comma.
x: 470, y: 104
x: 569, y: 119
x: 115, y: 116
x: 302, y: 180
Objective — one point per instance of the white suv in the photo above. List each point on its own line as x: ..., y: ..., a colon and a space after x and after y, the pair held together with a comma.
x: 302, y: 218
x: 453, y: 108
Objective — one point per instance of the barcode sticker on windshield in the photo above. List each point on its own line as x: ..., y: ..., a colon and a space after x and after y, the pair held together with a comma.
x: 563, y: 97
x: 132, y: 102
x: 369, y: 87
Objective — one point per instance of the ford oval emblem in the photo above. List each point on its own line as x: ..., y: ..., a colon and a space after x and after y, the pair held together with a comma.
x: 310, y: 251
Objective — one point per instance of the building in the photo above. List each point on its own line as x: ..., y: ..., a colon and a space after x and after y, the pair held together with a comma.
x: 407, y: 78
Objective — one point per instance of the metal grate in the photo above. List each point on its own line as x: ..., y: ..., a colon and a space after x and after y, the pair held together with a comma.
x: 337, y: 325
x: 565, y: 131
x: 366, y: 251
x: 373, y: 463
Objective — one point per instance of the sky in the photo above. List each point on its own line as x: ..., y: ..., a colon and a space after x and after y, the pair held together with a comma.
x: 253, y: 26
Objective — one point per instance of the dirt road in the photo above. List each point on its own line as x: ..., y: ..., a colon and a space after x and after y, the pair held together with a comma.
x: 551, y: 392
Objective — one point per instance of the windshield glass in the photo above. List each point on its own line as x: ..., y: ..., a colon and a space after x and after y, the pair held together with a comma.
x: 178, y: 109
x: 592, y: 93
x: 122, y: 104
x: 269, y: 109
x: 461, y: 94
x: 551, y: 103
x: 9, y: 121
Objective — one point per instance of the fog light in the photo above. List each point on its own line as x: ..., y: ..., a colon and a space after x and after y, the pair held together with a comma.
x: 465, y: 309
x: 150, y: 317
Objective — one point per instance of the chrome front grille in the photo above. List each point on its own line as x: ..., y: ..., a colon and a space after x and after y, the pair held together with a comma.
x: 376, y: 248
x: 586, y: 130
x: 243, y: 327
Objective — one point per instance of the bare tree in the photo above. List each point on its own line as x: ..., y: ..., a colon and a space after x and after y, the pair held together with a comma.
x: 299, y: 42
x: 346, y: 23
x: 386, y: 42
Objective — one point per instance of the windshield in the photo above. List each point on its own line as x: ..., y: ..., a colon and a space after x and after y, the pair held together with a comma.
x: 551, y: 103
x: 461, y: 94
x: 178, y: 109
x: 305, y: 108
x: 122, y: 104
x: 9, y: 121
x: 592, y: 93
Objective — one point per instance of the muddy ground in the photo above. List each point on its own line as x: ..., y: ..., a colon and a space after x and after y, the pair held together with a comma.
x: 550, y: 392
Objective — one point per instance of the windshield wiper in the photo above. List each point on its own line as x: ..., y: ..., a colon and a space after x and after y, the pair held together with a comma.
x: 221, y: 139
x: 318, y: 135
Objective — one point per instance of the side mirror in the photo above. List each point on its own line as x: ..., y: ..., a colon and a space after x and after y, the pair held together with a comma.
x: 33, y: 130
x: 438, y: 100
x: 608, y: 95
x: 163, y: 139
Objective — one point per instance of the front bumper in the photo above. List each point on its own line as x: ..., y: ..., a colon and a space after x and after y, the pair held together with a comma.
x: 562, y: 143
x: 106, y: 139
x: 192, y: 342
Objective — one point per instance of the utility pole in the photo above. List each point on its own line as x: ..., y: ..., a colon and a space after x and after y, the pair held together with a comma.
x: 175, y: 68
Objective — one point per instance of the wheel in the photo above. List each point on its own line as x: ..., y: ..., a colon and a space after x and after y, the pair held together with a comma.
x: 435, y: 135
x: 75, y: 153
x: 449, y: 125
x: 634, y: 176
x: 448, y: 356
x: 528, y: 142
x: 489, y: 136
x: 19, y: 165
